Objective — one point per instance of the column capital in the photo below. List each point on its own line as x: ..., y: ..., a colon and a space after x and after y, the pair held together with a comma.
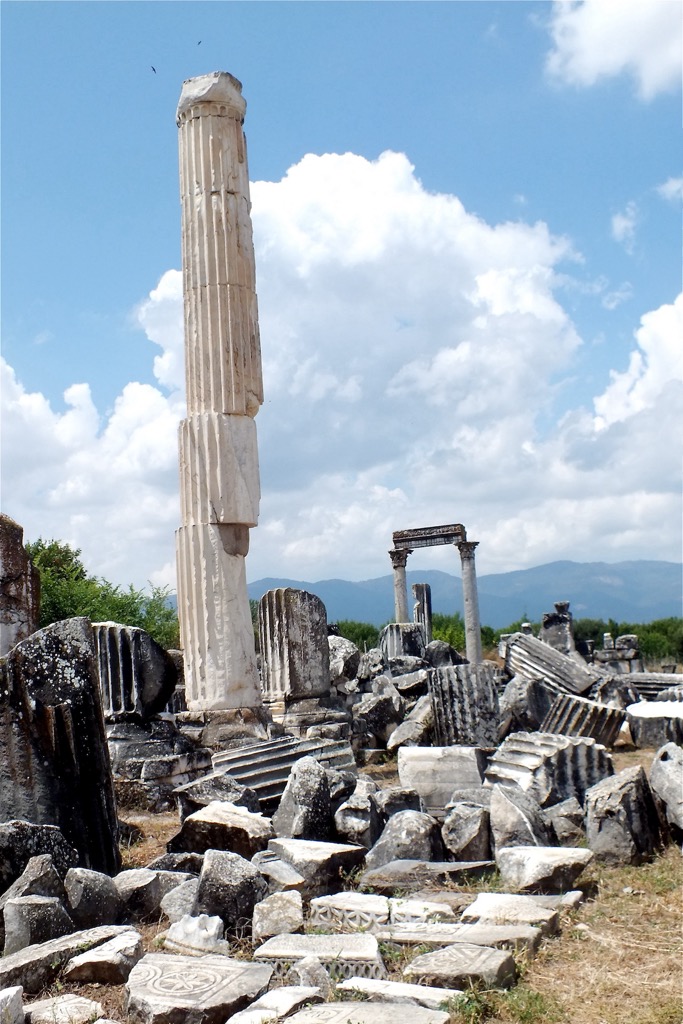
x: 466, y: 548
x: 219, y: 89
x: 399, y: 557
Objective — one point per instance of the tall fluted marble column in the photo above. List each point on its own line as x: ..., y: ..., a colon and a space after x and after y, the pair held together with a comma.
x: 399, y: 557
x: 470, y: 601
x: 219, y: 474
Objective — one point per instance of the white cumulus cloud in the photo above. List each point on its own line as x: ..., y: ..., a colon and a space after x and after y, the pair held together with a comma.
x: 412, y: 358
x: 671, y: 189
x: 623, y: 225
x: 596, y: 39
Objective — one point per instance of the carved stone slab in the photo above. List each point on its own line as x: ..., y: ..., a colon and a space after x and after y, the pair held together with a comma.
x: 343, y: 955
x: 162, y: 988
x: 498, y: 936
x: 463, y: 963
x: 350, y: 911
x: 368, y: 1013
x: 404, y: 911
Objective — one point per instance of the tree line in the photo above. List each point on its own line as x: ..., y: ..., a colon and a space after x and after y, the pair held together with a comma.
x: 67, y: 590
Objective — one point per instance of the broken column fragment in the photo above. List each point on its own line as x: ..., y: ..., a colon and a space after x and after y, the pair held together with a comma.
x: 550, y: 768
x: 19, y: 587
x: 465, y: 704
x: 219, y: 476
x: 295, y: 660
x: 576, y: 716
x: 54, y: 762
x: 557, y: 629
x: 295, y: 654
x: 529, y: 657
x: 422, y: 610
x: 137, y: 675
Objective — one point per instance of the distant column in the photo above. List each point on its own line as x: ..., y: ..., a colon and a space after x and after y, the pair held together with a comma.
x: 219, y: 476
x: 470, y: 601
x: 422, y: 612
x: 399, y: 557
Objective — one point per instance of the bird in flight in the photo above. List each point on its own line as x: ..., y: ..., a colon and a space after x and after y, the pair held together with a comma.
x: 153, y: 68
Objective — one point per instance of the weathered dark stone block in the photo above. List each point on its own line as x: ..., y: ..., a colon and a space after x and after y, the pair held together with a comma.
x: 54, y: 762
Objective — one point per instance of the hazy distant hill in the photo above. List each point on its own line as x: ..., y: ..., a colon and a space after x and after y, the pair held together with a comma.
x: 626, y: 591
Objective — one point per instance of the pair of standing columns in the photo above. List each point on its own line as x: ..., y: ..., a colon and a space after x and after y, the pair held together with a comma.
x: 399, y: 557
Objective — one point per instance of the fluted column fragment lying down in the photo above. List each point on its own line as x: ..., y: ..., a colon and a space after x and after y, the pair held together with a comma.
x: 576, y: 716
x: 549, y: 767
x: 219, y: 473
x: 465, y: 705
x: 526, y: 656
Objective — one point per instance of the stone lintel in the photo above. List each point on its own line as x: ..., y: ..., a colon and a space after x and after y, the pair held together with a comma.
x: 429, y: 536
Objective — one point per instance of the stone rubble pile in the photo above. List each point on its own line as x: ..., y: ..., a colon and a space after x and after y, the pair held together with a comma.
x: 280, y: 838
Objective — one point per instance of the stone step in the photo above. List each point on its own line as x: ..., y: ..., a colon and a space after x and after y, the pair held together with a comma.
x: 265, y: 767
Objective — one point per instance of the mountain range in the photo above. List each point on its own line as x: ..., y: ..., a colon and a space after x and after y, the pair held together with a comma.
x: 638, y: 591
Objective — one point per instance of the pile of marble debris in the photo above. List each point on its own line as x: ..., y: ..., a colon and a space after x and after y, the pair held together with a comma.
x: 291, y: 883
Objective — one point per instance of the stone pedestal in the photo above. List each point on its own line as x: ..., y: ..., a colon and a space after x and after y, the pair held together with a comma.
x: 219, y: 477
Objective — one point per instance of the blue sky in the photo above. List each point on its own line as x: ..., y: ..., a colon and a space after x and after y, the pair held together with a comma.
x: 451, y: 333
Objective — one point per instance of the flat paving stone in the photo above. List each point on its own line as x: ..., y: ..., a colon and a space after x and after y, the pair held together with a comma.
x: 12, y: 1005
x: 368, y: 1013
x: 541, y: 869
x: 376, y: 990
x: 510, y: 908
x: 36, y: 967
x: 167, y: 989
x: 458, y: 965
x: 66, y: 1009
x: 498, y: 936
x: 415, y: 874
x: 278, y: 1003
x: 343, y: 955
x: 109, y: 964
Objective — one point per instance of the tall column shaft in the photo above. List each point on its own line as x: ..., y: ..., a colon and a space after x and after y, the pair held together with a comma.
x: 219, y: 475
x: 470, y: 602
x: 399, y: 557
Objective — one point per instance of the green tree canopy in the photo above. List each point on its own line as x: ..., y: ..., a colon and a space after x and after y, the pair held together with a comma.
x: 67, y: 590
x: 363, y: 634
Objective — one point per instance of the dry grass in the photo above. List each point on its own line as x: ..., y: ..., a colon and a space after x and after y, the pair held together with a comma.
x: 156, y: 830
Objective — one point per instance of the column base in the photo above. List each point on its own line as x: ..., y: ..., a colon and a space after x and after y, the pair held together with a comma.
x: 233, y: 727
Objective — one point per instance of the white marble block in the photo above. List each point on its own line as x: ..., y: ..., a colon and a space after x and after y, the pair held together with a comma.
x: 219, y: 472
x: 217, y: 634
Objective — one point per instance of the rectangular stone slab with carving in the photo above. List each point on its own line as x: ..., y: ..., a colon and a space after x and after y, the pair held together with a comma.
x: 343, y: 955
